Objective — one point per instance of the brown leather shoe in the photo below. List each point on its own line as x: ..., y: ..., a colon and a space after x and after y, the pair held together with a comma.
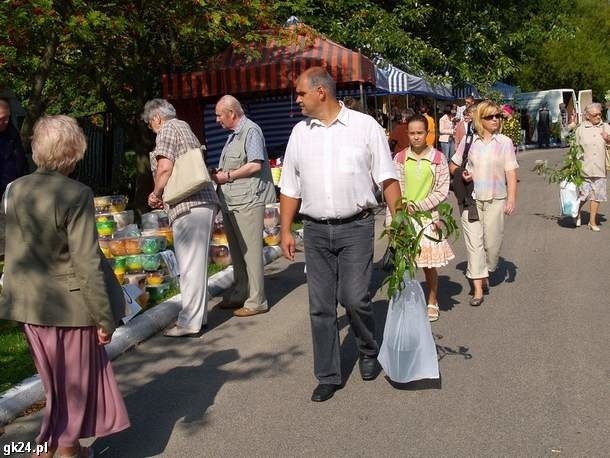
x: 244, y: 311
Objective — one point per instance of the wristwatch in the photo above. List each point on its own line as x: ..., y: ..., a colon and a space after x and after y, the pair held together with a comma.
x: 229, y: 179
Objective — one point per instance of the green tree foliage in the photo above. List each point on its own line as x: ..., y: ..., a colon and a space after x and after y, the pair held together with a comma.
x: 81, y: 57
x: 572, y: 49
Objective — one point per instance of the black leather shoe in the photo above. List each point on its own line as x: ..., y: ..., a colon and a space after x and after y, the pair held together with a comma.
x: 324, y: 391
x: 369, y: 367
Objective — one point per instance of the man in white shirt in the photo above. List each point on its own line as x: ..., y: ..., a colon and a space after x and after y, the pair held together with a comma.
x: 468, y: 102
x: 333, y: 161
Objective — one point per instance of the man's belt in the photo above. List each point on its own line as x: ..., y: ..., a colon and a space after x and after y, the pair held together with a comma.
x: 336, y: 221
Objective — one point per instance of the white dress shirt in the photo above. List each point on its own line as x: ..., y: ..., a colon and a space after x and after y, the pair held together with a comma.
x: 333, y: 169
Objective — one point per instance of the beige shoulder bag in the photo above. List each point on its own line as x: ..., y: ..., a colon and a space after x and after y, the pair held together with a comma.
x: 189, y: 175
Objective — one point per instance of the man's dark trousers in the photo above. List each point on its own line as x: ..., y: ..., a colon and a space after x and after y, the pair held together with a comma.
x: 339, y: 267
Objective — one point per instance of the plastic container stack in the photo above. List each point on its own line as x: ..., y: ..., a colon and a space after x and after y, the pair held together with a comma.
x: 271, y: 232
x: 136, y: 256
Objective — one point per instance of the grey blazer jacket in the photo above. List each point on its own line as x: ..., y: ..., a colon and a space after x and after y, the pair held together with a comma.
x: 54, y: 272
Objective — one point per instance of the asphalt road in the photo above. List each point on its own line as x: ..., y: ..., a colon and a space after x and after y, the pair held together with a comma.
x: 526, y: 374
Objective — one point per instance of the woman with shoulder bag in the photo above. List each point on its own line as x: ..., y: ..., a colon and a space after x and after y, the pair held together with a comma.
x: 492, y: 167
x: 191, y: 218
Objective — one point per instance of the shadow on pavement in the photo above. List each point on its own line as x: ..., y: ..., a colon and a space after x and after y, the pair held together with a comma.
x: 506, y: 272
x: 417, y: 385
x: 568, y: 222
x: 284, y: 282
x: 180, y: 398
x: 447, y: 290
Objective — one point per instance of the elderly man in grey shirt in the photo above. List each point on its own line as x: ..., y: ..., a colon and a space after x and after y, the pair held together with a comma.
x: 245, y: 186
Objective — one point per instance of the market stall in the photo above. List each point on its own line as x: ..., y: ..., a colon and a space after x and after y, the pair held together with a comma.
x: 265, y: 84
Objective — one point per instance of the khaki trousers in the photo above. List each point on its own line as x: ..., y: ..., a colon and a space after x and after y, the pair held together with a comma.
x: 484, y: 237
x: 244, y: 230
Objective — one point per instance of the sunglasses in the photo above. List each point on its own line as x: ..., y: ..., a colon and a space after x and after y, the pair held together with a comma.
x: 497, y: 116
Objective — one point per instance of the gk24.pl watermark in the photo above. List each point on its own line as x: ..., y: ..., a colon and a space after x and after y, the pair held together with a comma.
x: 24, y: 447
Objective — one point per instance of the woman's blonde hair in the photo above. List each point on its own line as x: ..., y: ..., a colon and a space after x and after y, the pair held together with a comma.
x: 485, y: 108
x: 58, y: 143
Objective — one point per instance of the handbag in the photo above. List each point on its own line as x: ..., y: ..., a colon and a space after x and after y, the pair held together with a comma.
x: 189, y: 175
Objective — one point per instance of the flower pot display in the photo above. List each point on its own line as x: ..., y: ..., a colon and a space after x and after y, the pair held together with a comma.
x: 151, y: 262
x: 105, y: 247
x: 272, y: 217
x: 119, y: 268
x: 220, y: 255
x: 152, y: 244
x: 219, y: 237
x: 105, y: 228
x: 157, y: 292
x: 165, y: 232
x: 117, y: 247
x: 271, y: 236
x: 134, y: 263
x: 132, y: 245
x: 122, y: 219
x: 138, y: 280
x: 155, y: 219
x: 154, y: 279
x: 134, y: 254
x: 113, y: 204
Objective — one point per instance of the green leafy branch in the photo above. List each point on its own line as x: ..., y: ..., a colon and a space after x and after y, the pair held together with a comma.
x: 571, y: 171
x: 404, y: 236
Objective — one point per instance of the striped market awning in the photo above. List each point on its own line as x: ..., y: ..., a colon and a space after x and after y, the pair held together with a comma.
x: 401, y: 82
x: 282, y: 60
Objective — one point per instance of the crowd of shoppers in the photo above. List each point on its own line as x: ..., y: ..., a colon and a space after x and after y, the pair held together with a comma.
x: 74, y: 302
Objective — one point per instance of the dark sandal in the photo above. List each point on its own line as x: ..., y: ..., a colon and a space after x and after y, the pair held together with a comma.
x: 476, y: 301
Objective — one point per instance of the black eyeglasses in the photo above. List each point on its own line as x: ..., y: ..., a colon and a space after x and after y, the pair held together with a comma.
x: 497, y: 116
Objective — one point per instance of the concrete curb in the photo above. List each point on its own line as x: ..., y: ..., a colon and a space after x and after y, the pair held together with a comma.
x: 29, y: 391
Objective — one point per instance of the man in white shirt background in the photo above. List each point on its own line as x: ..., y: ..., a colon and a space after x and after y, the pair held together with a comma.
x: 333, y: 161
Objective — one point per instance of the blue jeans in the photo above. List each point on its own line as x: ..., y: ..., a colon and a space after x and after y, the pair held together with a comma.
x: 339, y: 267
x: 447, y: 149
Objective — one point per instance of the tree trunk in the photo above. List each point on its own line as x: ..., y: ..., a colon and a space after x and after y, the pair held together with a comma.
x: 36, y: 105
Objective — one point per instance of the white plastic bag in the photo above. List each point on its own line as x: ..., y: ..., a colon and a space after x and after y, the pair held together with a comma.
x: 408, y: 351
x: 568, y: 195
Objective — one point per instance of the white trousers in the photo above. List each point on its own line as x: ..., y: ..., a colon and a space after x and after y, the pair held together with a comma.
x: 484, y: 237
x: 191, y: 244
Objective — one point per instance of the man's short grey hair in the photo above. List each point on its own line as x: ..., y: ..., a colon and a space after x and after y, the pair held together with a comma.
x: 228, y: 102
x: 158, y: 107
x: 318, y: 76
x: 593, y: 106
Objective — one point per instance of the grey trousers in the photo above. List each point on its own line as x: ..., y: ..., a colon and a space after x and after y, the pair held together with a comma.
x: 244, y: 230
x: 339, y: 268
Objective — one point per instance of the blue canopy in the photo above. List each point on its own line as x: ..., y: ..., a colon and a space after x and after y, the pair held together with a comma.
x: 381, y: 81
x: 464, y: 90
x: 507, y: 91
x: 401, y: 82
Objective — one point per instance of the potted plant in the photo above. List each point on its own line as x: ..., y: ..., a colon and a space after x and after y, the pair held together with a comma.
x: 404, y: 235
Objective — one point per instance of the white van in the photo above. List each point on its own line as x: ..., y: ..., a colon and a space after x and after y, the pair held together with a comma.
x: 532, y: 101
